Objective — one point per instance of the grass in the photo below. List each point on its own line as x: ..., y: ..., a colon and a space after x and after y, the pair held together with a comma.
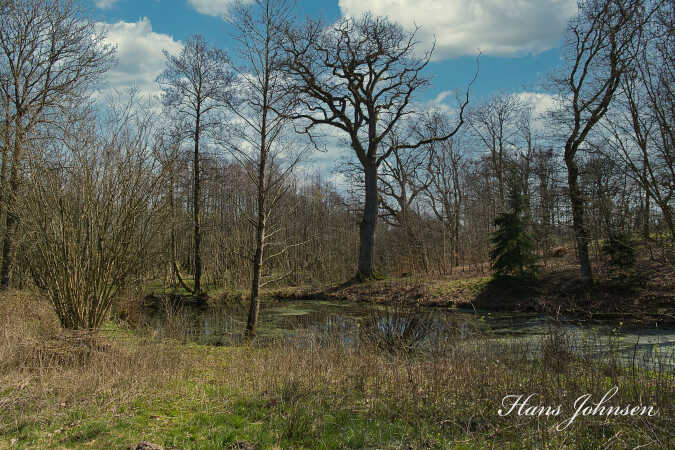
x: 420, y: 291
x: 113, y: 390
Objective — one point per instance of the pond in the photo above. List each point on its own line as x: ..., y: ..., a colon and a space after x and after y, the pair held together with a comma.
x: 650, y: 347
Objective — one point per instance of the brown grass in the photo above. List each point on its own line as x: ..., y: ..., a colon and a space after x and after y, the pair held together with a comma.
x: 299, y: 393
x: 45, y: 370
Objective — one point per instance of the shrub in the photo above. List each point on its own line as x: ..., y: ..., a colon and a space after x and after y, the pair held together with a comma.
x: 92, y: 209
x: 620, y: 250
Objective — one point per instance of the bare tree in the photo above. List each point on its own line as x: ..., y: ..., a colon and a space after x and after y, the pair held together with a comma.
x: 49, y: 54
x: 599, y: 51
x: 360, y: 76
x: 258, y: 136
x: 495, y: 122
x: 403, y: 177
x: 195, y: 85
x: 634, y: 134
x: 643, y: 133
x: 445, y: 191
x: 169, y: 149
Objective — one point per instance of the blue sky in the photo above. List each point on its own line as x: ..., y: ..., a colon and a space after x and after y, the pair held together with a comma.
x: 518, y: 39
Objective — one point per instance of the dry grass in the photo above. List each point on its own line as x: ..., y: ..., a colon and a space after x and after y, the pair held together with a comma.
x: 45, y: 372
x: 313, y: 392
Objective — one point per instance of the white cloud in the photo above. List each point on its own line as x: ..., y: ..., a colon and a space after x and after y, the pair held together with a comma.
x: 216, y: 8
x: 105, y: 4
x: 540, y: 101
x: 441, y: 96
x: 139, y: 52
x: 460, y: 27
x: 441, y: 103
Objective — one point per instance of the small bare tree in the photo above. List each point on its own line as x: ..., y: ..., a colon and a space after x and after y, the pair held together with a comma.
x: 169, y: 146
x: 49, y: 54
x: 445, y: 192
x: 360, y: 77
x: 195, y: 86
x: 91, y: 211
x: 495, y: 123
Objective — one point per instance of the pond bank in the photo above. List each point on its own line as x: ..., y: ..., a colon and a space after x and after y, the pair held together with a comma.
x: 647, y: 298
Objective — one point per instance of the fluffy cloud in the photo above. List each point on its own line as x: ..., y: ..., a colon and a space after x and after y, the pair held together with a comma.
x: 216, y: 8
x: 460, y: 27
x: 105, y: 4
x: 139, y: 52
x: 542, y: 104
x: 540, y: 101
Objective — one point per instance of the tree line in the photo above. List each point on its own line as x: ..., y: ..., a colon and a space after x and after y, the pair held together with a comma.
x: 209, y: 191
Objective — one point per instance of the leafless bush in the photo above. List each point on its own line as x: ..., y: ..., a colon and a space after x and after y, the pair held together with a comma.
x: 91, y: 210
x: 401, y: 328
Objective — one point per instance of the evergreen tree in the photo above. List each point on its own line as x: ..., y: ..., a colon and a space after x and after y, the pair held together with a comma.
x: 512, y: 252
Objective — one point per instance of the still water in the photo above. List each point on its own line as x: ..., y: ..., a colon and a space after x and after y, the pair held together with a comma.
x: 650, y: 347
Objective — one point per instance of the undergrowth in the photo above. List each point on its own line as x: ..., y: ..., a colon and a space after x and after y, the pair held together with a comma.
x: 122, y: 386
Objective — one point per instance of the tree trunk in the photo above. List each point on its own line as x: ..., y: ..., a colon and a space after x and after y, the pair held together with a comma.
x: 8, y: 247
x: 645, y: 224
x: 254, y: 307
x: 257, y: 272
x: 195, y: 200
x: 580, y: 232
x: 368, y: 224
x: 174, y: 251
x: 259, y: 242
x: 668, y: 217
x: 11, y: 219
x: 3, y: 180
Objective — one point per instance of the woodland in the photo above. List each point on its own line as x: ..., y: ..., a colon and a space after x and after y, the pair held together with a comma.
x: 125, y: 220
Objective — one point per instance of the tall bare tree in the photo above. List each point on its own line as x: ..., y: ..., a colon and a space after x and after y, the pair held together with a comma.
x: 195, y: 86
x: 258, y: 136
x: 169, y: 150
x: 644, y: 134
x: 598, y: 50
x: 635, y: 135
x: 360, y: 76
x: 50, y: 52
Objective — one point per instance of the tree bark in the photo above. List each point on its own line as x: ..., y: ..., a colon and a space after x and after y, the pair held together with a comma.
x: 369, y: 223
x: 8, y: 247
x: 668, y: 217
x: 645, y: 223
x: 580, y: 232
x: 195, y: 200
x: 174, y: 251
x: 11, y: 218
x: 259, y: 237
x: 3, y: 179
x: 254, y: 307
